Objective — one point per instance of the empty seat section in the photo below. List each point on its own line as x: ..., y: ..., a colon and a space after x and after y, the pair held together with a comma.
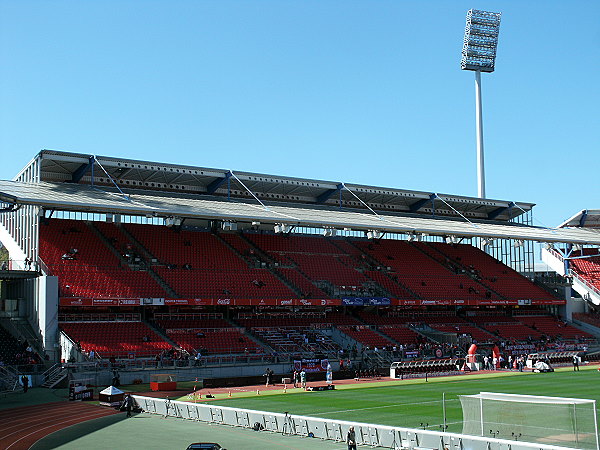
x: 393, y: 287
x: 553, y: 327
x: 420, y: 273
x: 492, y: 272
x: 118, y: 339
x: 93, y: 270
x: 477, y: 334
x: 307, y: 288
x: 198, y: 264
x: 511, y: 330
x: 402, y: 334
x: 367, y: 336
x: 315, y: 257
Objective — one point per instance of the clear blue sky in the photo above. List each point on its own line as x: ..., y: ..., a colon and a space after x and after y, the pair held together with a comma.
x: 365, y: 91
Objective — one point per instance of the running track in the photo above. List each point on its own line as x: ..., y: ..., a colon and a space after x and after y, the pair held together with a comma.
x: 23, y: 427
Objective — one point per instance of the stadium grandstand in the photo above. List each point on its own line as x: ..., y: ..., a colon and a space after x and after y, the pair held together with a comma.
x: 154, y: 263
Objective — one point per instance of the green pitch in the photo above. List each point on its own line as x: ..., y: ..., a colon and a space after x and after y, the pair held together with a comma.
x: 416, y: 403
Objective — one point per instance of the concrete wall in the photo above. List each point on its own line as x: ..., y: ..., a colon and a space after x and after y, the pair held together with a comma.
x: 43, y: 316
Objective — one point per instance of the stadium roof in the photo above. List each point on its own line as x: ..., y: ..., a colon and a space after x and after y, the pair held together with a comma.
x: 586, y: 218
x: 75, y: 197
x: 63, y: 167
x: 56, y: 180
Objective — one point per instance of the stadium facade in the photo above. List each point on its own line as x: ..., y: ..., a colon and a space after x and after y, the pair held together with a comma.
x: 59, y: 186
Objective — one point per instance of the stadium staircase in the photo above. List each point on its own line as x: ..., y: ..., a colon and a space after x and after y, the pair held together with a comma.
x: 260, y: 260
x: 391, y: 285
x: 54, y: 376
x: 583, y: 285
x: 440, y: 257
x: 158, y: 330
x: 137, y: 245
x: 246, y: 332
x: 142, y: 266
x: 9, y: 381
x: 380, y: 290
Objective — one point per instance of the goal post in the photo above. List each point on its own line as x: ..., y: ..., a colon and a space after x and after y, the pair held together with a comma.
x: 568, y: 422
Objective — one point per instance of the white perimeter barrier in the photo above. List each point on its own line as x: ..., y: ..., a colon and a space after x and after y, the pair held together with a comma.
x: 366, y: 434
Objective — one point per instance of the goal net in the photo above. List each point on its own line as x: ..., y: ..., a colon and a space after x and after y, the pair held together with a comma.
x: 567, y: 422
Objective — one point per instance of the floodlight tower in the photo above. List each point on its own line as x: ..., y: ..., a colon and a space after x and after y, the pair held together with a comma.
x: 479, y: 55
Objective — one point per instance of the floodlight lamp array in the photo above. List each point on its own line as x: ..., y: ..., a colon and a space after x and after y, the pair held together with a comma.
x: 229, y: 225
x: 452, y: 240
x: 172, y: 221
x: 486, y: 242
x: 329, y: 232
x: 480, y: 41
x: 374, y: 234
x: 282, y: 228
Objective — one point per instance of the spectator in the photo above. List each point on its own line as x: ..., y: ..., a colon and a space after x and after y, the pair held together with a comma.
x: 25, y: 383
x: 351, y: 439
x: 269, y: 377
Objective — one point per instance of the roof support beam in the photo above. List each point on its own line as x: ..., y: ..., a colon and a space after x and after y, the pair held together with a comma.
x: 322, y: 198
x: 419, y: 204
x: 498, y: 211
x: 212, y: 187
x: 583, y: 218
x: 82, y: 170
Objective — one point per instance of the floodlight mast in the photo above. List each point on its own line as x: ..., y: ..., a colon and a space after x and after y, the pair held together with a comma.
x: 479, y: 55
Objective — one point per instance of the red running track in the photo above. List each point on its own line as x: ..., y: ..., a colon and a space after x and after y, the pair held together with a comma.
x: 23, y: 427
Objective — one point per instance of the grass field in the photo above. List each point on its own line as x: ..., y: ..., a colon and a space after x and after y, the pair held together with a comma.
x: 411, y: 403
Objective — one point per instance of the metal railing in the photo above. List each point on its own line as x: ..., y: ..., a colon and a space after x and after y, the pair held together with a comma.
x: 26, y: 264
x: 372, y: 435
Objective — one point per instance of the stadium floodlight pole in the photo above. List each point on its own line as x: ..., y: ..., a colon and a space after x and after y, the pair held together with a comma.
x: 479, y: 55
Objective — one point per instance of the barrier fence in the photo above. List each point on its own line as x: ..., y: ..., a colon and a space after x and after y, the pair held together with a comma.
x: 366, y: 434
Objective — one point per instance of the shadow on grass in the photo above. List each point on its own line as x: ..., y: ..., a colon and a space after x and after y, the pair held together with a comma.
x: 69, y: 434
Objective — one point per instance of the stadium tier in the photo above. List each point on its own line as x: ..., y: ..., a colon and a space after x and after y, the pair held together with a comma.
x: 103, y: 260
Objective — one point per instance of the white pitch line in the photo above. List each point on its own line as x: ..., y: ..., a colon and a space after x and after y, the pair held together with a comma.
x: 379, y: 407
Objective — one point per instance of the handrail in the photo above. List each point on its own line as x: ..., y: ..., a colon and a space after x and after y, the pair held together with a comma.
x: 52, y: 371
x: 42, y: 265
x: 586, y: 283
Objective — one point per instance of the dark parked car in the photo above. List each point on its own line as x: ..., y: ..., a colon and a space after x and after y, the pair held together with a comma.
x: 205, y: 446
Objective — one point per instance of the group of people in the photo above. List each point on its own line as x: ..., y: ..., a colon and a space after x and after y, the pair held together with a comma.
x: 27, y: 264
x: 512, y: 363
x: 299, y: 378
